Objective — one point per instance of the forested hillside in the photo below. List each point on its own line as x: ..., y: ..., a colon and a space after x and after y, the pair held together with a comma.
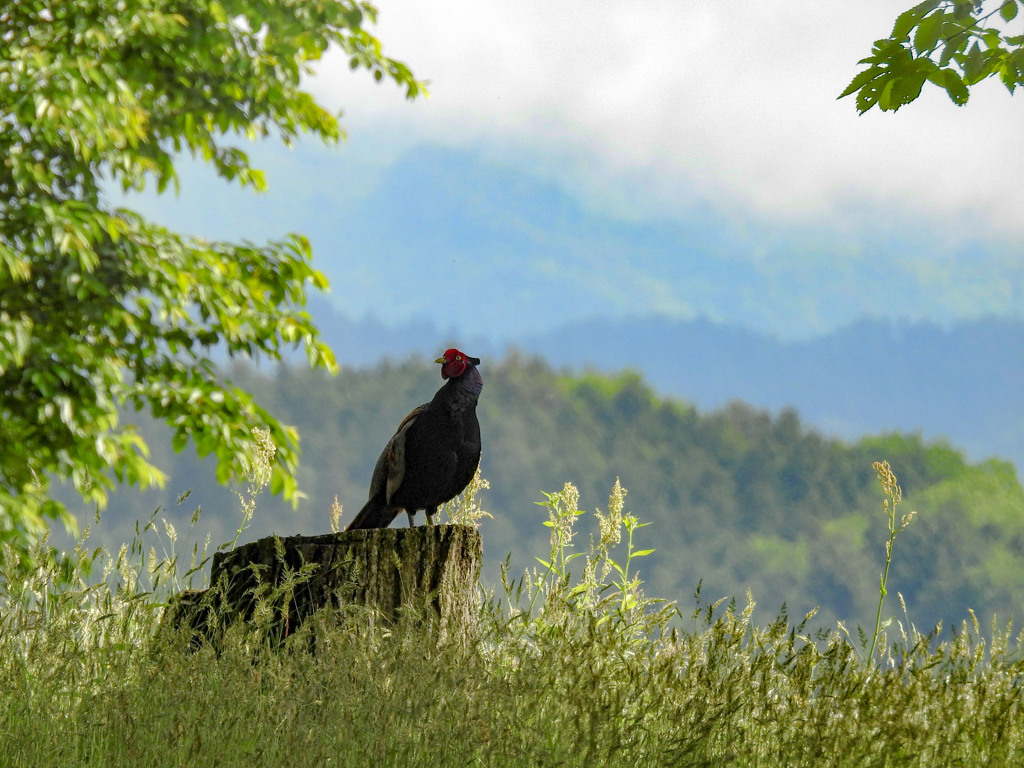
x: 736, y: 498
x: 963, y: 381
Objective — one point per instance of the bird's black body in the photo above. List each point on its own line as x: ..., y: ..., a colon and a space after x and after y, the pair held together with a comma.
x: 434, y: 453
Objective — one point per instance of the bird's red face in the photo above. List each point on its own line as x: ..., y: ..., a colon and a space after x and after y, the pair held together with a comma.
x: 453, y: 363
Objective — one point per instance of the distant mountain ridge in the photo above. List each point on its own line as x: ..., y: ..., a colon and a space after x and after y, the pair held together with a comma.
x: 964, y: 383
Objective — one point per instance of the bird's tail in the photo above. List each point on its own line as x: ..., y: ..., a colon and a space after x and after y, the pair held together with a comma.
x: 374, y: 514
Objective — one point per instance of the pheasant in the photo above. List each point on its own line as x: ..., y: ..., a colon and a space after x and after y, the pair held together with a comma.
x: 435, y: 452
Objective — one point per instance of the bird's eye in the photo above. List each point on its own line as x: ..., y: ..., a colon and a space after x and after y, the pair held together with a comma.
x: 458, y: 357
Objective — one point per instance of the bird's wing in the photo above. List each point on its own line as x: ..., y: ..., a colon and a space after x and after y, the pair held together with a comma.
x: 391, y: 475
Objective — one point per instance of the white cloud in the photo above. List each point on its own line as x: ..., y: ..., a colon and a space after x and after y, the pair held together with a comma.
x: 647, y: 105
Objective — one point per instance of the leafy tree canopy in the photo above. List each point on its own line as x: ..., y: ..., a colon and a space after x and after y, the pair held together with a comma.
x: 101, y: 308
x: 953, y: 44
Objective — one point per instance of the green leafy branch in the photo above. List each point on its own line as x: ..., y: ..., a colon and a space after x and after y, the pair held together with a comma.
x: 948, y: 43
x: 101, y: 310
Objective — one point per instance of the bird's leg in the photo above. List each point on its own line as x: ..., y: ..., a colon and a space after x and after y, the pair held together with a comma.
x: 430, y: 512
x: 412, y: 514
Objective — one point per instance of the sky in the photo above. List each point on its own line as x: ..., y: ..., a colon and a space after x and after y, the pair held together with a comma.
x: 700, y: 130
x: 641, y: 106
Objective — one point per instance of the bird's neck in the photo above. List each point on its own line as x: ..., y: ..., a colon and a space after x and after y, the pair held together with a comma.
x: 471, y: 380
x: 462, y: 392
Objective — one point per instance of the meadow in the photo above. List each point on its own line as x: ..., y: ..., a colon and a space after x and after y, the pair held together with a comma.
x: 570, y: 664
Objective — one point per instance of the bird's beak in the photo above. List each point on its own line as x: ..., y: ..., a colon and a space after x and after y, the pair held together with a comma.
x: 441, y: 361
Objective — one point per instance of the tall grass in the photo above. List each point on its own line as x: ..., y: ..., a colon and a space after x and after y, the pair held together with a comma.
x: 574, y: 666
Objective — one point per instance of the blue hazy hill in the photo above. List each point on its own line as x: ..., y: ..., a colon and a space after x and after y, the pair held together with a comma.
x: 962, y: 383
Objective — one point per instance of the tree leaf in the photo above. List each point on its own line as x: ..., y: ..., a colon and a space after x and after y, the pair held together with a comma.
x: 928, y: 33
x: 909, y: 19
x: 955, y: 87
x: 974, y: 66
x: 861, y: 80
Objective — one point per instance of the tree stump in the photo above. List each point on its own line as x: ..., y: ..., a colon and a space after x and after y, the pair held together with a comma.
x: 429, y: 574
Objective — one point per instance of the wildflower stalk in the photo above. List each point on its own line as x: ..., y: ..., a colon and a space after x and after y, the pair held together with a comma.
x: 894, y: 495
x: 465, y: 509
x: 260, y: 469
x: 562, y: 513
x: 605, y: 591
x: 629, y: 588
